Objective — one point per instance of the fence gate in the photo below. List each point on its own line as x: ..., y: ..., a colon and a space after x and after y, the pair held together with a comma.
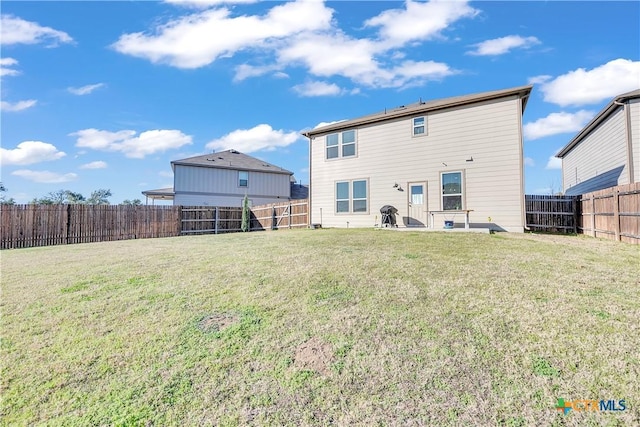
x: 207, y: 220
x: 554, y: 214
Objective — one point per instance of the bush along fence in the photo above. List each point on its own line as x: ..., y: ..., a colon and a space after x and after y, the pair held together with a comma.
x: 23, y: 226
x: 612, y: 213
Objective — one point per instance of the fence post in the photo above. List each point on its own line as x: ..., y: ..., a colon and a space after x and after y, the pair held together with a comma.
x: 576, y: 214
x: 593, y: 215
x: 289, y: 214
x: 616, y: 212
x: 68, y: 224
x: 273, y: 218
x: 215, y: 225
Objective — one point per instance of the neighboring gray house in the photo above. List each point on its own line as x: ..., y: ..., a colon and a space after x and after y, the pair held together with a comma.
x: 222, y: 179
x: 606, y: 152
x: 441, y: 157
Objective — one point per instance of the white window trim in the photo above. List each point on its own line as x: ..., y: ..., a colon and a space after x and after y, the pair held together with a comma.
x: 341, y: 145
x: 351, y: 198
x: 413, y: 127
x: 461, y: 194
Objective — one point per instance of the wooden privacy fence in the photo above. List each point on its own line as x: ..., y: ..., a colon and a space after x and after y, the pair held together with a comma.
x: 612, y: 213
x: 280, y: 215
x: 216, y: 219
x: 23, y: 226
x: 555, y: 214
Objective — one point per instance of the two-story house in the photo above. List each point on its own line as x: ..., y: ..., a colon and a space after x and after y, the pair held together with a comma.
x: 434, y: 159
x: 606, y: 152
x: 223, y: 179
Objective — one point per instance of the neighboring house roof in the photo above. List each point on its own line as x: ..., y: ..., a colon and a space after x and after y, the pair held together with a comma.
x: 299, y: 191
x: 161, y: 193
x: 599, y: 118
x: 424, y: 107
x: 231, y: 159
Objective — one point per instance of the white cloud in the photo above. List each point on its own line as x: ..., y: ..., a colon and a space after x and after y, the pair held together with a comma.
x: 85, y: 90
x: 29, y: 152
x: 528, y: 161
x: 15, y: 30
x: 204, y: 4
x: 583, y: 87
x: 166, y: 174
x: 419, y: 20
x: 556, y: 123
x: 94, y: 165
x: 327, y: 55
x: 197, y: 40
x: 6, y: 65
x: 261, y: 137
x: 126, y: 141
x: 45, y: 177
x: 503, y: 45
x: 536, y: 80
x: 245, y: 71
x: 17, y: 106
x: 323, y: 124
x: 303, y: 33
x: 554, y: 163
x: 317, y: 89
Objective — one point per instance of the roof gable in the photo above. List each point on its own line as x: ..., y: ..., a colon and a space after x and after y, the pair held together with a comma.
x: 424, y: 107
x: 231, y: 159
x: 599, y: 118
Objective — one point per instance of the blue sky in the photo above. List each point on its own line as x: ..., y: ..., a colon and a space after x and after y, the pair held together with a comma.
x: 106, y: 94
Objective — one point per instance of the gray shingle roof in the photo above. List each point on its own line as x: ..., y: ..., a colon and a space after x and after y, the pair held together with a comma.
x: 423, y: 107
x: 231, y: 159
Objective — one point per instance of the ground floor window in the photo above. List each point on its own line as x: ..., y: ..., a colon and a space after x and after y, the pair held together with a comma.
x: 451, y: 190
x: 352, y: 196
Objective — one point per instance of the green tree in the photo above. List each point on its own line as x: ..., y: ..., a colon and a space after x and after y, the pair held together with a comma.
x: 246, y: 214
x: 3, y: 198
x: 68, y: 197
x: 99, y: 197
x: 52, y: 198
x: 134, y: 202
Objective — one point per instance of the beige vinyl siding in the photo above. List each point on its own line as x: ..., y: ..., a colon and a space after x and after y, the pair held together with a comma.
x: 211, y: 186
x: 388, y: 154
x: 601, y: 151
x: 634, y: 105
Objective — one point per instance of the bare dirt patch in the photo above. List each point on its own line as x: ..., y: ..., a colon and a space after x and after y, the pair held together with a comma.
x: 314, y: 355
x: 218, y: 321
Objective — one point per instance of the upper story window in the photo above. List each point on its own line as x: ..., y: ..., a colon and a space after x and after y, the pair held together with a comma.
x: 243, y: 179
x: 451, y: 191
x: 419, y: 126
x: 342, y: 144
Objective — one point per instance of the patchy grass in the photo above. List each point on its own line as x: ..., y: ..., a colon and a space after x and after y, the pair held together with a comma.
x: 320, y: 327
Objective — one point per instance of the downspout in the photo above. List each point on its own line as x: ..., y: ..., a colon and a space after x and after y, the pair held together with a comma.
x: 627, y: 125
x: 523, y: 215
x: 310, y: 185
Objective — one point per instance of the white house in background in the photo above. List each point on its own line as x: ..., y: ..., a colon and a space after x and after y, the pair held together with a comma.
x: 606, y: 152
x: 223, y: 179
x: 442, y: 157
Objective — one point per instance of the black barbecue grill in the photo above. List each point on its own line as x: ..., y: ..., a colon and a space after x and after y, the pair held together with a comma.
x: 388, y: 216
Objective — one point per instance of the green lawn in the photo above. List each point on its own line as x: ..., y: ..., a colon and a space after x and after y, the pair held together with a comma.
x: 321, y: 327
